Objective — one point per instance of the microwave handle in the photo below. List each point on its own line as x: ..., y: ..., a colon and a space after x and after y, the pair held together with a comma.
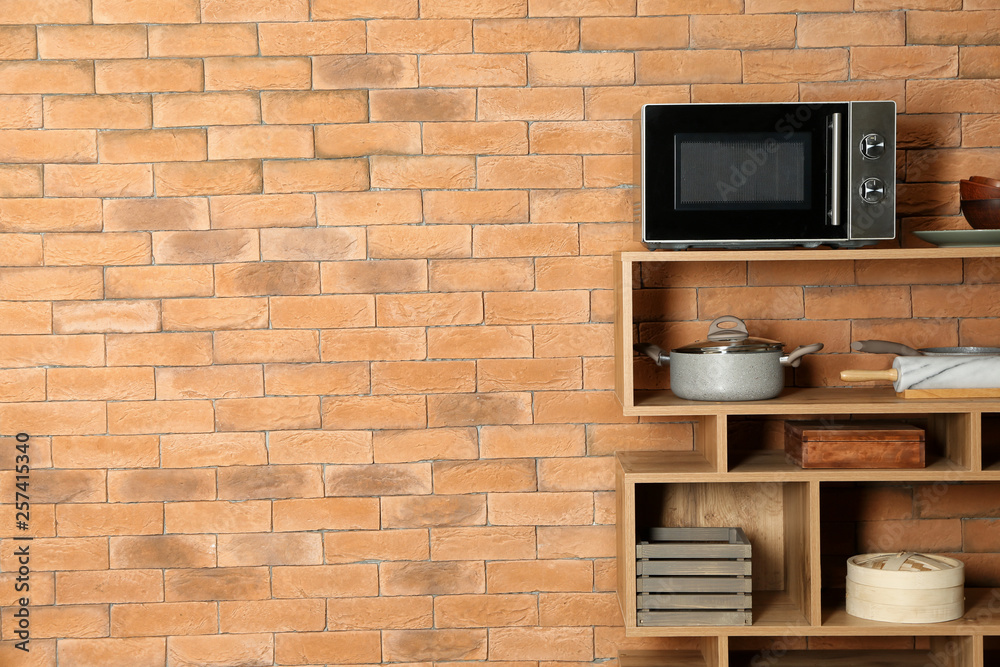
x: 835, y: 126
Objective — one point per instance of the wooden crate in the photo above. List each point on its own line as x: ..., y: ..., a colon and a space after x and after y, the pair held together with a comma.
x: 861, y: 444
x: 693, y: 576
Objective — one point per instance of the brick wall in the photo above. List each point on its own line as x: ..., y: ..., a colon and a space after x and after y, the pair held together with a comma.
x: 307, y: 306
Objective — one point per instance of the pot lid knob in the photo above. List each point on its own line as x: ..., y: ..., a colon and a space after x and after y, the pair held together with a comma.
x: 736, y: 332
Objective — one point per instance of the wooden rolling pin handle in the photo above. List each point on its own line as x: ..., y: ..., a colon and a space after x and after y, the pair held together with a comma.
x: 890, y: 374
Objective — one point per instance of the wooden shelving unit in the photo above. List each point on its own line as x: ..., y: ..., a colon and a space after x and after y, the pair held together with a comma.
x: 728, y: 479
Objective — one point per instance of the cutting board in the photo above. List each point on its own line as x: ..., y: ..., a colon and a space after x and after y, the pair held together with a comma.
x: 950, y: 393
x: 861, y: 444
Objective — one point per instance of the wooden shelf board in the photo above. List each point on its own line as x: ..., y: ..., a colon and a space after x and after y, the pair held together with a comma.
x: 821, y: 658
x: 661, y: 659
x: 656, y: 462
x: 810, y: 400
x: 805, y: 254
x: 771, y: 465
x: 773, y: 612
x: 979, y: 618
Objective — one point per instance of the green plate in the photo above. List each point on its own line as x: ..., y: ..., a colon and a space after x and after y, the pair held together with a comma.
x: 961, y: 238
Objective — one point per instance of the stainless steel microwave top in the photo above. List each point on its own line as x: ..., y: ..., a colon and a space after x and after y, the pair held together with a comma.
x: 766, y: 175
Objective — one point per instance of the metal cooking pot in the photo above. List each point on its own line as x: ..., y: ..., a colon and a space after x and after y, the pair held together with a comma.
x: 729, y: 366
x: 887, y: 347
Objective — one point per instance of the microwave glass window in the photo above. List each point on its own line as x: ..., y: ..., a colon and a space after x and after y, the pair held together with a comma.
x: 723, y: 171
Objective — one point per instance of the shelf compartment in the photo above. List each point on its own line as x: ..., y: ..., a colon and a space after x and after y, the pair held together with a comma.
x: 979, y: 618
x: 991, y: 442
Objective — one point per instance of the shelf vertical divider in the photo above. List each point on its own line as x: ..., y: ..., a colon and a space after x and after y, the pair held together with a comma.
x: 715, y: 650
x: 711, y: 440
x: 961, y: 434
x: 802, y: 583
x: 625, y: 540
x: 624, y: 371
x: 964, y: 651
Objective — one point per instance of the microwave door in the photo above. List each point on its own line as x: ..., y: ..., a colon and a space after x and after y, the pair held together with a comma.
x: 834, y: 189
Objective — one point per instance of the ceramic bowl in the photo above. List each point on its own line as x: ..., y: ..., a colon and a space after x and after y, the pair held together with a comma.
x: 982, y: 213
x: 973, y: 190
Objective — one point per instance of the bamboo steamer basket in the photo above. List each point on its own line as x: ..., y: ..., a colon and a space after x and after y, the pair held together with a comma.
x: 905, y: 587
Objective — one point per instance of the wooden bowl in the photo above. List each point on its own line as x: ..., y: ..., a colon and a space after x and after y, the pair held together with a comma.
x: 992, y: 182
x: 982, y: 213
x: 972, y: 190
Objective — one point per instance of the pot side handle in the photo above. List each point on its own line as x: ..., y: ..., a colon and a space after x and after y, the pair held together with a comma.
x: 795, y: 356
x: 654, y: 352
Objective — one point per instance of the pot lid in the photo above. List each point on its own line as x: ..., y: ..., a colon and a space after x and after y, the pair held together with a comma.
x: 733, y: 339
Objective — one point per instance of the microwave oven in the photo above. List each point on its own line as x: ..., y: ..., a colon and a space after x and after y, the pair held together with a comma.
x: 756, y: 175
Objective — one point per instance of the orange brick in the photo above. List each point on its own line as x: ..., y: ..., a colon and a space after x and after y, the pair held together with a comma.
x: 932, y: 27
x: 320, y: 447
x: 322, y: 647
x: 383, y: 479
x: 218, y: 313
x: 311, y: 38
x: 87, y: 384
x: 581, y: 474
x: 197, y: 247
x: 450, y: 644
x: 48, y: 146
x: 322, y: 312
x: 374, y: 412
x: 782, y: 6
x: 925, y: 62
x: 354, y: 140
x: 481, y: 206
x: 529, y: 374
x: 18, y: 42
x: 39, y: 11
x: 48, y: 77
x: 795, y: 65
x: 869, y: 28
x: 311, y: 379
x: 949, y: 164
x: 369, y: 208
x: 328, y: 10
x: 580, y: 69
x: 857, y: 90
x: 388, y: 545
x: 84, y: 42
x: 974, y: 301
x: 153, y: 146
x: 20, y: 181
x: 315, y: 175
x: 431, y: 511
x: 216, y: 583
x: 859, y: 302
x: 66, y: 621
x: 368, y: 277
x: 556, y: 508
x: 270, y: 413
x: 206, y: 109
x: 135, y: 417
x: 469, y: 611
x: 460, y: 275
x: 529, y: 171
x: 602, y: 438
x: 113, y: 652
x: 421, y: 377
x: 537, y: 307
x: 326, y: 514
x: 51, y: 283
x: 766, y: 302
x: 105, y: 451
x: 270, y: 549
x: 242, y: 211
x: 20, y: 111
x: 250, y: 347
x: 149, y: 282
x: 22, y: 384
x: 105, y: 317
x: 576, y: 541
x: 432, y: 578
x: 512, y: 35
x: 364, y: 71
x: 272, y: 616
x: 627, y: 33
x: 43, y: 350
x: 569, y: 609
x: 328, y: 581
x: 494, y: 138
x: 539, y: 575
x: 701, y: 66
x: 525, y: 240
x: 164, y: 618
x: 249, y: 11
x: 156, y: 214
x: 476, y: 409
x: 21, y: 250
x: 284, y: 481
x: 256, y: 73
x: 275, y: 278
x: 509, y: 441
x: 148, y: 76
x: 61, y: 553
x: 221, y: 177
x: 335, y: 106
x: 421, y: 445
x: 473, y: 69
x: 181, y: 450
x: 773, y: 31
x: 486, y: 543
x: 978, y: 62
x: 587, y: 8
x: 429, y: 309
x: 479, y: 342
x: 554, y: 273
x: 100, y: 249
x: 425, y: 171
x: 531, y: 104
x: 380, y: 613
x: 145, y: 11
x: 611, y: 205
x: 558, y: 407
x: 424, y: 36
x: 130, y: 486
x: 259, y: 141
x: 950, y: 97
x: 401, y: 242
x: 217, y: 517
x: 92, y: 180
x: 32, y: 318
x: 474, y: 9
x: 61, y: 486
x: 373, y: 344
x: 202, y: 40
x: 84, y: 519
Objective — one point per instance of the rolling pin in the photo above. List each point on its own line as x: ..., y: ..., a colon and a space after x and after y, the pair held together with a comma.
x: 967, y: 372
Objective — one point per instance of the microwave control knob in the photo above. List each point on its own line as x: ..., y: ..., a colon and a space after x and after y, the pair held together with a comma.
x: 873, y: 190
x: 873, y: 146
